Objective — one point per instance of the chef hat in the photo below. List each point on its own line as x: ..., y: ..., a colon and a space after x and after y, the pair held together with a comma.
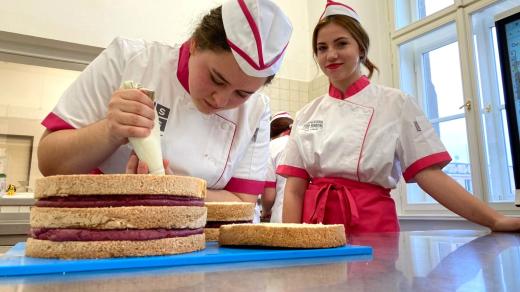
x: 339, y: 7
x: 279, y: 115
x: 258, y: 33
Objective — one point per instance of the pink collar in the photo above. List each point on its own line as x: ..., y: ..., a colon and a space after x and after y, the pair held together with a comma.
x: 183, y: 72
x: 356, y: 87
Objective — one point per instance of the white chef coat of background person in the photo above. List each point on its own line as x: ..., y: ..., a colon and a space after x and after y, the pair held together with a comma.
x: 272, y: 198
x: 228, y: 146
x: 362, y: 139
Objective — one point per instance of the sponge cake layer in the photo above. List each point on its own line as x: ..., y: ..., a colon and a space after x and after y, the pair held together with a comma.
x: 230, y: 211
x: 283, y: 235
x: 106, y: 249
x: 120, y: 184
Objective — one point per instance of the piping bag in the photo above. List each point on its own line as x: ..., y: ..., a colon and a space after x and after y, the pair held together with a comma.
x: 148, y: 149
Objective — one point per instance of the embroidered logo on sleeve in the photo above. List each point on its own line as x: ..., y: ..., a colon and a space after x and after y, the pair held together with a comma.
x: 312, y: 126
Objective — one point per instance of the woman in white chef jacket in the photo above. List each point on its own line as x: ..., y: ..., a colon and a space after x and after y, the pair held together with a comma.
x: 272, y: 198
x: 213, y: 125
x: 348, y: 148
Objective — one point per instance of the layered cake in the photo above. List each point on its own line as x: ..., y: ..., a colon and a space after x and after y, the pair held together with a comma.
x: 221, y: 213
x: 122, y: 215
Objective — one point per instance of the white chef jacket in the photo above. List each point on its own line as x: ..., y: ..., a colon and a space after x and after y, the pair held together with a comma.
x: 276, y: 149
x: 228, y: 149
x: 373, y: 135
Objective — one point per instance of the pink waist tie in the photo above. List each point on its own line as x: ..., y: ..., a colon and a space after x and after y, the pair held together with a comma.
x: 358, y: 206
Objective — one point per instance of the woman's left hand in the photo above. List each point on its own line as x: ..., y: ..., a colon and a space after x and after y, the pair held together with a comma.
x: 136, y: 166
x: 506, y: 224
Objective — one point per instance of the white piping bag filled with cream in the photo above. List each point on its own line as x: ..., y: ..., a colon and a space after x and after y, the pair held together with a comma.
x: 148, y: 149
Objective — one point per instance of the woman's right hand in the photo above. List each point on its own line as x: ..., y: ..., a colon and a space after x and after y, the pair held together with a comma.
x: 136, y: 166
x: 130, y: 114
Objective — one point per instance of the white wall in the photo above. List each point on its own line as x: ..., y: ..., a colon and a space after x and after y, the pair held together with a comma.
x: 97, y: 22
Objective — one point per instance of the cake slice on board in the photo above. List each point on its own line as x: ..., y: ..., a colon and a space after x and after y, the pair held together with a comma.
x: 290, y: 235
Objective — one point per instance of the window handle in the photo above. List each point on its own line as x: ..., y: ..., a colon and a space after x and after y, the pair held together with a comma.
x: 467, y: 105
x: 488, y: 108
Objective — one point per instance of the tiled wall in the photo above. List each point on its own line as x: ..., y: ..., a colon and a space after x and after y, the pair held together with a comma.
x: 291, y: 95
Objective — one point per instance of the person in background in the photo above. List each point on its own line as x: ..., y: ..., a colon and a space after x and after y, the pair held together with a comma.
x: 272, y: 198
x: 348, y: 148
x: 213, y: 123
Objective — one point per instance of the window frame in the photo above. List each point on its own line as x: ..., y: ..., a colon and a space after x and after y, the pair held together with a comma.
x: 460, y: 13
x: 471, y: 7
x: 487, y: 90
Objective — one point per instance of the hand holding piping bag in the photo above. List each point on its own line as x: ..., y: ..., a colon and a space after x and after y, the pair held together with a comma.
x: 148, y: 149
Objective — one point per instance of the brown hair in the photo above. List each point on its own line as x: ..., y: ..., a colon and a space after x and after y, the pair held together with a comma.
x: 280, y: 125
x: 357, y: 32
x: 211, y: 35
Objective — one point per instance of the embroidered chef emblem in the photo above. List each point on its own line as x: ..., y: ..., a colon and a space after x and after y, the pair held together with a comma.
x: 163, y: 113
x: 312, y: 126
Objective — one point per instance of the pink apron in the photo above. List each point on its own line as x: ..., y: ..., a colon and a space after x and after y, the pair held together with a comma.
x: 361, y: 207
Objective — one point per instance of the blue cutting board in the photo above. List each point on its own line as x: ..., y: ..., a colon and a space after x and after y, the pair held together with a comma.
x: 15, y: 263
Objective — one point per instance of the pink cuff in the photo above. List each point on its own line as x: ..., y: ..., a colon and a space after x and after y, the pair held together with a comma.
x: 54, y: 123
x: 287, y: 170
x: 270, y: 184
x: 246, y: 186
x: 442, y: 159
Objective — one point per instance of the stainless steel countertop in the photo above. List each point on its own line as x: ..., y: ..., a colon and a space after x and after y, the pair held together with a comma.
x: 451, y: 260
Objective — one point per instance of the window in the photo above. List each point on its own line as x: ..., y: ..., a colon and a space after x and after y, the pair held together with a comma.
x: 497, y: 152
x: 466, y: 110
x: 431, y: 72
x: 409, y: 11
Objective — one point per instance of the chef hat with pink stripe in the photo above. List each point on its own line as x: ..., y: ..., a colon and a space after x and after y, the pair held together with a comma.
x: 258, y: 33
x: 280, y: 115
x: 339, y: 7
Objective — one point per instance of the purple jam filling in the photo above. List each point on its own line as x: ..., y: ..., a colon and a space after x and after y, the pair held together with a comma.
x: 73, y: 234
x: 117, y: 201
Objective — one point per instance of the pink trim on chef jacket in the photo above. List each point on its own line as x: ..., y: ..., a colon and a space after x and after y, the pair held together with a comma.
x: 353, y: 89
x: 246, y: 186
x: 441, y: 158
x: 183, y: 72
x: 363, y: 144
x: 270, y: 184
x: 287, y: 170
x: 54, y: 123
